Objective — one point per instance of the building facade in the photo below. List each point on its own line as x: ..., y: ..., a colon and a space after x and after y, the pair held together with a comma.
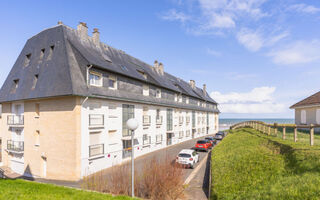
x: 307, y: 111
x: 66, y: 101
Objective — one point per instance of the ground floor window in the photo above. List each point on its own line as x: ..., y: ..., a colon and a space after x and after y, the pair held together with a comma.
x: 127, y: 147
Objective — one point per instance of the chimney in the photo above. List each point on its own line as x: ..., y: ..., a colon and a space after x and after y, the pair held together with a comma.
x: 192, y: 84
x: 156, y: 65
x: 204, y: 89
x: 82, y: 30
x: 96, y: 36
x: 161, y: 69
x: 60, y: 23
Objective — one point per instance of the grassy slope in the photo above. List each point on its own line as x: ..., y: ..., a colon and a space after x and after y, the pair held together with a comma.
x: 20, y: 189
x: 250, y: 165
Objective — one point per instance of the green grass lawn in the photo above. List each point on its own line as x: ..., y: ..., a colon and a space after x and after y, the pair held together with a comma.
x: 303, y: 135
x: 21, y: 190
x: 251, y: 165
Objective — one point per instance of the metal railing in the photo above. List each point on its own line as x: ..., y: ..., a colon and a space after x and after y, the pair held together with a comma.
x: 15, y: 120
x: 96, y: 150
x: 146, y: 119
x: 96, y: 119
x: 17, y: 146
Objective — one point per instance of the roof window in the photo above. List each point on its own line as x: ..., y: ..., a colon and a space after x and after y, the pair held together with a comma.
x: 27, y: 60
x: 35, y: 80
x: 15, y: 85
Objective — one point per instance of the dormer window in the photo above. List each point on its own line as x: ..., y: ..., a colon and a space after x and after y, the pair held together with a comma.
x: 143, y: 74
x: 15, y: 85
x: 42, y: 53
x: 112, y: 82
x: 51, y: 52
x: 145, y: 90
x: 27, y: 60
x: 158, y: 93
x: 95, y: 79
x: 35, y: 80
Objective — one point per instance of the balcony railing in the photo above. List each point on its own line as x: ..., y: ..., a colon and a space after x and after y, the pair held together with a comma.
x: 96, y: 120
x: 15, y: 120
x: 146, y: 120
x: 16, y: 146
x: 96, y: 150
x: 159, y: 120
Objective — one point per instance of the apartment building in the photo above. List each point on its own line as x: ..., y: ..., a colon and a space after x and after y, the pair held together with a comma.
x: 66, y: 101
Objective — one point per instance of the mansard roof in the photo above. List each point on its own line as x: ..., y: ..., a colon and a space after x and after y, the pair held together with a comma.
x: 59, y: 57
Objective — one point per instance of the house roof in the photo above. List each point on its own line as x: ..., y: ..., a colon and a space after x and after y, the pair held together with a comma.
x: 311, y: 100
x: 64, y: 73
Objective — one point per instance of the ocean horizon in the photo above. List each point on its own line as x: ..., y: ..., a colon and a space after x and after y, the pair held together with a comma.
x: 225, y: 123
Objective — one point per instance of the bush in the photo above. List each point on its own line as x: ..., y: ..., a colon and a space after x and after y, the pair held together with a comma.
x: 158, y: 179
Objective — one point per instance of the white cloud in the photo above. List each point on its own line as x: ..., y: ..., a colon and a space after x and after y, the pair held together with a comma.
x: 213, y: 52
x: 258, y: 100
x: 304, y: 8
x: 237, y: 76
x: 299, y: 52
x: 255, y: 40
x: 173, y: 15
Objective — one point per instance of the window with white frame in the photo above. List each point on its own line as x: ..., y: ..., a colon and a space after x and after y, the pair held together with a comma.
x: 187, y: 133
x: 180, y: 98
x: 187, y: 100
x: 158, y: 138
x: 146, y: 139
x: 303, y: 117
x: 145, y: 90
x: 95, y: 79
x: 181, y: 134
x: 158, y: 93
x: 175, y: 97
x: 112, y: 82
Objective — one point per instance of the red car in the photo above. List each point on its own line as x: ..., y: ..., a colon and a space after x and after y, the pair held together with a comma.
x: 203, y: 145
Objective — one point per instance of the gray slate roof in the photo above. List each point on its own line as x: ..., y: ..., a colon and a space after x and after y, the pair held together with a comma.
x: 65, y: 72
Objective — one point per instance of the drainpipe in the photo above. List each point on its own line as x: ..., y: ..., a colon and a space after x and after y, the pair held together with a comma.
x: 88, y: 69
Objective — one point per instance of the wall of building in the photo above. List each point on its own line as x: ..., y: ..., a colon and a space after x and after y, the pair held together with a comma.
x: 56, y: 154
x: 311, y: 115
x: 111, y: 132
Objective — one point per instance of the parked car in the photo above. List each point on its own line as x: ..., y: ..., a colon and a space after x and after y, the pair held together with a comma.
x: 211, y: 138
x: 219, y: 136
x: 203, y: 145
x: 188, y: 157
x: 222, y: 133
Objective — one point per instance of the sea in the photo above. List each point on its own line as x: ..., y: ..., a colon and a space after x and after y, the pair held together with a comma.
x: 225, y: 124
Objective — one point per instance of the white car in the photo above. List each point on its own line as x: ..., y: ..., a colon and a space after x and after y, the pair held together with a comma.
x: 188, y: 157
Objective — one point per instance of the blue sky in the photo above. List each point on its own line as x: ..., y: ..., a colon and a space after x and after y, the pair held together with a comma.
x: 257, y: 57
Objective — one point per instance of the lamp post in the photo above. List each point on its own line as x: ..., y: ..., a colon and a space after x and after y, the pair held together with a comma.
x: 132, y: 125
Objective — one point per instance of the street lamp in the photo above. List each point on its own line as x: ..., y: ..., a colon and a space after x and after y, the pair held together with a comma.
x: 132, y: 125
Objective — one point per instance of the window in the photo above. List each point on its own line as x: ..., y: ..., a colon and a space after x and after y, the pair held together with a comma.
x: 127, y: 113
x: 193, y: 119
x: 158, y: 93
x: 158, y: 138
x: 37, y: 109
x: 112, y: 82
x: 27, y: 60
x: 15, y: 85
x: 187, y: 100
x: 318, y: 116
x: 35, y: 80
x: 127, y: 146
x: 143, y: 74
x: 37, y: 142
x: 95, y: 79
x: 146, y: 139
x: 145, y: 90
x: 303, y: 117
x: 94, y: 137
x: 50, y: 53
x: 169, y: 120
x: 175, y: 97
x: 180, y: 98
x: 42, y: 53
x: 124, y: 68
x: 198, y: 103
x: 96, y: 120
x: 187, y: 133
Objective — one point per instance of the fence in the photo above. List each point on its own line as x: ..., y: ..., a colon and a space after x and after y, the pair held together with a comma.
x: 303, y: 133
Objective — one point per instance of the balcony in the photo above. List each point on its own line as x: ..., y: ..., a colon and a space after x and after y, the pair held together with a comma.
x: 159, y: 120
x: 96, y: 150
x: 146, y: 120
x: 15, y: 146
x: 96, y: 120
x: 15, y: 120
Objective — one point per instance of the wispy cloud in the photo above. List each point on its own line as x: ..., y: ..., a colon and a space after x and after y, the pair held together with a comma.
x: 213, y: 52
x: 304, y: 8
x: 238, y: 76
x: 299, y: 52
x: 254, y: 40
x: 258, y: 100
x: 173, y: 15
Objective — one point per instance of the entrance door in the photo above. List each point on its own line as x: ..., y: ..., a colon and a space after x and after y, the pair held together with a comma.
x: 169, y: 139
x: 17, y: 166
x: 193, y: 132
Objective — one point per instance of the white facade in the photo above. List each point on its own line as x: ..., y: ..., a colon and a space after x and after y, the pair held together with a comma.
x: 151, y: 134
